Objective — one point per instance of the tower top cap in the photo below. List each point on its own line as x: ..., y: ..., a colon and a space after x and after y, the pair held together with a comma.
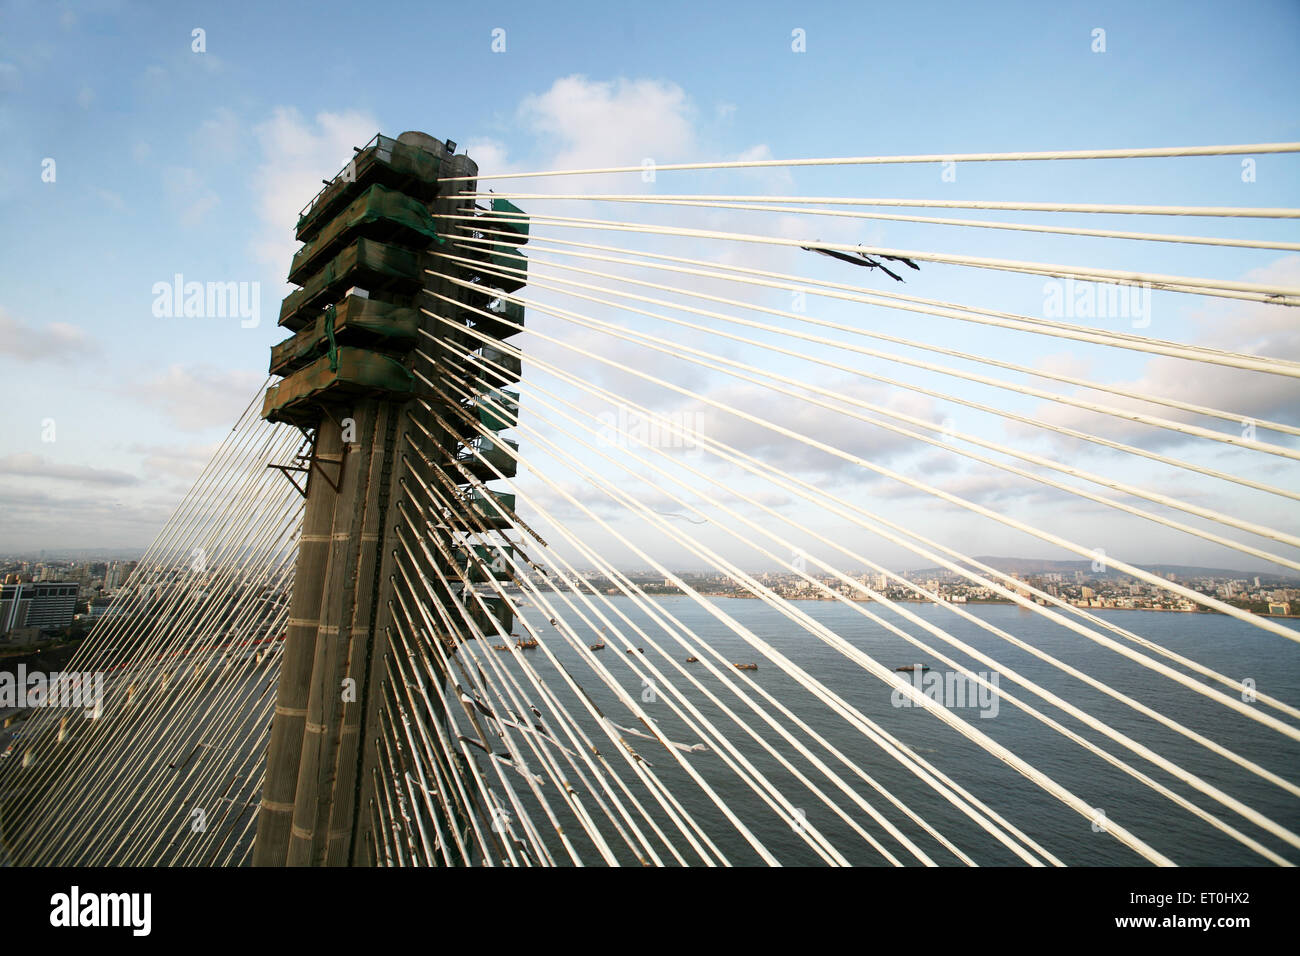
x: 423, y: 141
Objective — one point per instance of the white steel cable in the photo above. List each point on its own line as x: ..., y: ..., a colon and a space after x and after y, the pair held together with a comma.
x: 106, y: 725
x: 443, y: 767
x: 1075, y: 673
x: 1177, y: 771
x: 646, y: 637
x: 1115, y: 485
x: 1012, y: 596
x: 587, y: 750
x: 446, y: 750
x: 1034, y: 688
x: 963, y: 503
x: 780, y: 759
x: 632, y: 836
x: 672, y: 807
x: 856, y: 513
x: 180, y: 710
x: 1233, y: 417
x: 720, y: 363
x: 1146, y: 153
x: 108, y: 756
x: 536, y: 387
x: 754, y: 786
x: 640, y: 599
x: 972, y: 733
x: 443, y: 708
x: 540, y: 751
x: 750, y: 206
x: 668, y: 803
x: 1248, y: 212
x: 939, y: 308
x: 728, y: 366
x: 868, y: 728
x: 1221, y: 288
x: 891, y: 746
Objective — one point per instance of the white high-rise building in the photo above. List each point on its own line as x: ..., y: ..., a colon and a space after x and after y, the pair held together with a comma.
x: 46, y: 604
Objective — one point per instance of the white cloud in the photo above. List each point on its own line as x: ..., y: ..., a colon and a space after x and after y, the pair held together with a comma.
x: 1065, y: 363
x: 809, y: 421
x: 1252, y: 328
x: 492, y: 156
x: 36, y: 519
x: 36, y: 466
x: 618, y: 123
x: 295, y: 156
x: 220, y: 137
x: 112, y: 199
x: 195, y: 397
x: 772, y: 179
x: 184, y: 462
x: 189, y: 194
x: 55, y: 341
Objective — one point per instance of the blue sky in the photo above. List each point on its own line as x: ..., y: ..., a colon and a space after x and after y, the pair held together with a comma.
x: 175, y: 161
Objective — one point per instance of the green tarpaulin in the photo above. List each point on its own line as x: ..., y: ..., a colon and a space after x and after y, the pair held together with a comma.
x: 383, y: 160
x: 378, y: 213
x: 372, y: 265
x: 356, y: 321
x: 360, y: 374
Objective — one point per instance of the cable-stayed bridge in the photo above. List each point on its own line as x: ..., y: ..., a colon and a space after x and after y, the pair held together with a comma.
x: 392, y: 622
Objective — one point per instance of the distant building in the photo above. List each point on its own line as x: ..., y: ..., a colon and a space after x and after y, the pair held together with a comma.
x: 101, y: 607
x: 116, y: 575
x: 22, y: 636
x: 1279, y: 607
x: 44, y: 604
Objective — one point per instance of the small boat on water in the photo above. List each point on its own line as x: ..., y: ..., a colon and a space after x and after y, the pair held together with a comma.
x: 747, y: 667
x: 909, y: 668
x: 692, y: 660
x: 500, y: 647
x: 598, y: 646
x: 526, y: 644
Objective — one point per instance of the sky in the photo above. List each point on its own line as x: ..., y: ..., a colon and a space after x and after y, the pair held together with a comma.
x: 140, y: 141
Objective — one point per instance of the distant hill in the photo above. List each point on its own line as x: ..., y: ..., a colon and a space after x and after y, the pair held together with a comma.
x: 1041, y: 566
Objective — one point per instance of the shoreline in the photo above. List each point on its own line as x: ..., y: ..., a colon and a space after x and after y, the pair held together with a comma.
x: 913, y: 600
x: 1165, y: 610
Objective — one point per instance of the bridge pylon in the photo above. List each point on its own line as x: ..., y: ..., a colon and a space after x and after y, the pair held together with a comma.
x: 375, y: 375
